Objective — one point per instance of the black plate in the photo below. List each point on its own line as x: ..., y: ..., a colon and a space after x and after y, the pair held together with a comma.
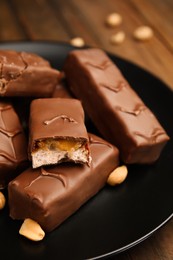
x: 116, y: 218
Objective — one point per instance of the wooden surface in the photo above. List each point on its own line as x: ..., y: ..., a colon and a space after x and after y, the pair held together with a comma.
x: 60, y: 20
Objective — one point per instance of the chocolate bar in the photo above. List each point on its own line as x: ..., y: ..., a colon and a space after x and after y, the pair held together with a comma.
x: 114, y: 107
x: 13, y: 146
x: 57, y: 132
x: 26, y: 74
x: 49, y: 195
x: 61, y: 91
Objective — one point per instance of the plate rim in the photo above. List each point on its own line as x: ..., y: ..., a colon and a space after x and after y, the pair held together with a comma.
x: 66, y: 44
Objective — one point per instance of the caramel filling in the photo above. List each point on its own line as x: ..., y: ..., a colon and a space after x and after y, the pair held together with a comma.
x: 53, y: 144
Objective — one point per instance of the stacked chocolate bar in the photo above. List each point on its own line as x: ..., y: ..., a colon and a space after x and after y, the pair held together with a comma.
x: 26, y: 74
x: 68, y: 165
x: 13, y: 145
x: 21, y: 74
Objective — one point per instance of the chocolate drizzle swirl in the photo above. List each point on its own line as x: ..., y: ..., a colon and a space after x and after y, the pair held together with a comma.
x: 113, y: 88
x: 92, y: 141
x: 9, y: 134
x: 102, y: 66
x: 154, y: 135
x: 136, y: 111
x: 10, y: 158
x: 45, y: 173
x: 54, y: 175
x: 64, y: 117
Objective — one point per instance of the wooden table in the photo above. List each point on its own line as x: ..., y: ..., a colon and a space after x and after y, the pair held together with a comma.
x: 58, y: 20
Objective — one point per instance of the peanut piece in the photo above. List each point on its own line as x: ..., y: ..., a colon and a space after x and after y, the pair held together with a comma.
x: 117, y: 38
x: 113, y: 20
x: 31, y: 230
x: 77, y: 42
x: 143, y: 33
x: 117, y: 176
x: 2, y: 200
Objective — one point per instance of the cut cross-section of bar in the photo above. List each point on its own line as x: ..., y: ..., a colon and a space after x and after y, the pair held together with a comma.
x: 57, y: 132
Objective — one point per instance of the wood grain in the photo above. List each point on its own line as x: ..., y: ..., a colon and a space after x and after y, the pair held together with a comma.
x: 39, y: 20
x: 149, y: 54
x: 161, y: 20
x: 9, y: 27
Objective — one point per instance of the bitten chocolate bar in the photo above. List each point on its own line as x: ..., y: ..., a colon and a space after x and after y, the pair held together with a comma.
x: 116, y: 110
x: 50, y: 195
x: 13, y: 147
x: 26, y: 74
x: 57, y: 132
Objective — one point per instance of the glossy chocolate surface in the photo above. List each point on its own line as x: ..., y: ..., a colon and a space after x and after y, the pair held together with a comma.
x: 13, y: 146
x: 50, y: 195
x: 26, y: 74
x: 61, y: 91
x: 117, y: 111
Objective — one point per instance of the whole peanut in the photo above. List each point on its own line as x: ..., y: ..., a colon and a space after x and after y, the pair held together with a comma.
x: 117, y: 38
x: 77, y: 42
x: 31, y: 230
x: 117, y: 176
x: 143, y: 33
x: 113, y: 20
x: 2, y: 200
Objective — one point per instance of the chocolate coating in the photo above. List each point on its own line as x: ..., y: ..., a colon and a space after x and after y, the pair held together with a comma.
x: 51, y: 195
x: 26, y: 74
x: 13, y: 146
x: 117, y: 111
x: 61, y: 91
x: 58, y: 119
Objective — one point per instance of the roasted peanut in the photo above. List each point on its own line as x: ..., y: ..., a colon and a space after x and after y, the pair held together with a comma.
x: 117, y: 176
x: 31, y: 230
x: 117, y: 38
x: 77, y: 42
x: 113, y: 20
x: 2, y: 200
x: 143, y: 33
